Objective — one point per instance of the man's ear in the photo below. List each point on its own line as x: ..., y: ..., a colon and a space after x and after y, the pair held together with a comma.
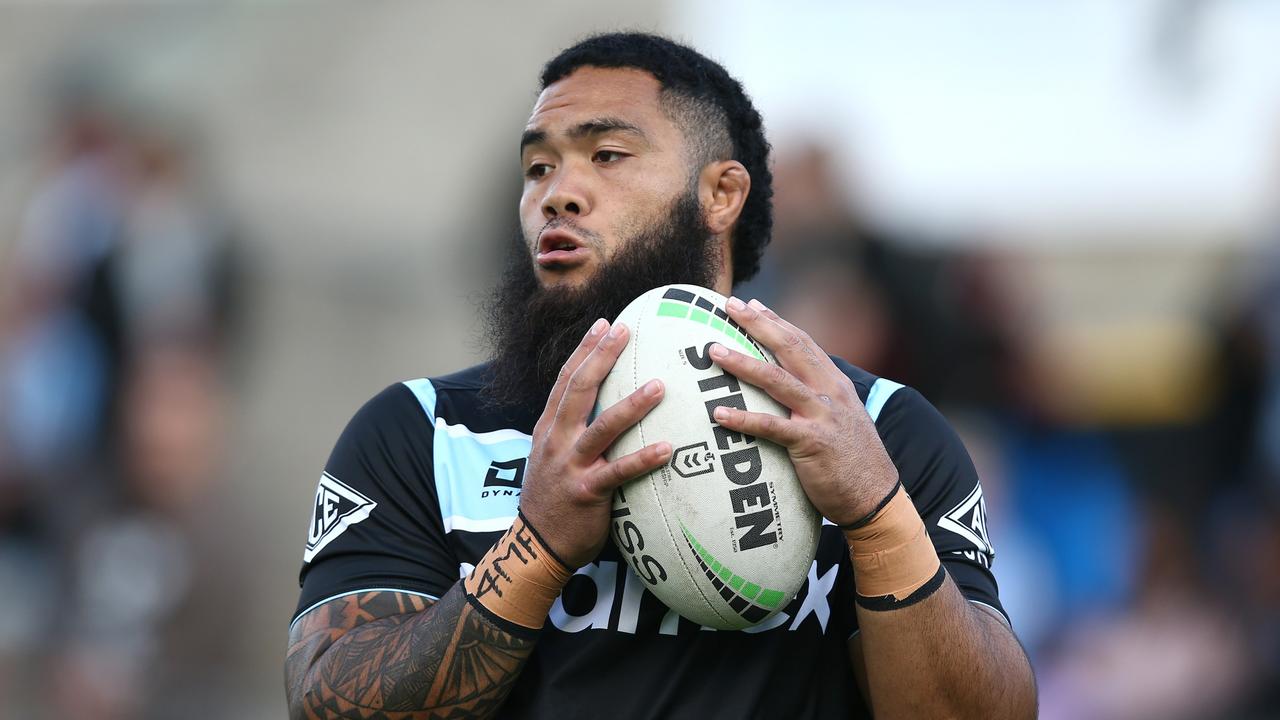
x: 722, y: 190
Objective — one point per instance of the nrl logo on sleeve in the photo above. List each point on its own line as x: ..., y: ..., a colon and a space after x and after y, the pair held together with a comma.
x: 338, y: 506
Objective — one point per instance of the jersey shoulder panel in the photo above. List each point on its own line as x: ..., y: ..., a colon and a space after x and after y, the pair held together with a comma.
x: 375, y: 522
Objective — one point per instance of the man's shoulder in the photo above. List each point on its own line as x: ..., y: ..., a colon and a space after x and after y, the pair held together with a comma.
x: 877, y: 392
x: 896, y: 409
x: 459, y: 399
x: 409, y: 403
x: 862, y: 379
x: 428, y: 390
x: 471, y: 379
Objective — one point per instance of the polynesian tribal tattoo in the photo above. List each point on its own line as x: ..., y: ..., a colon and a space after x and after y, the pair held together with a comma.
x: 377, y: 655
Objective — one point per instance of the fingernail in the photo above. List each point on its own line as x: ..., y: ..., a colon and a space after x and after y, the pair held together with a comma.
x: 718, y: 351
x: 597, y: 328
x: 735, y: 304
x: 721, y: 413
x: 757, y: 304
x: 661, y: 449
x: 616, y: 331
x: 652, y: 387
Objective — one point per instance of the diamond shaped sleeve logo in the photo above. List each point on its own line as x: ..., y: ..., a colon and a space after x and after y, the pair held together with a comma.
x: 969, y: 520
x: 338, y: 506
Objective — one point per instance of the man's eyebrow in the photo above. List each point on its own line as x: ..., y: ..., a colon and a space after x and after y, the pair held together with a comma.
x: 599, y: 126
x: 531, y: 137
x: 595, y: 126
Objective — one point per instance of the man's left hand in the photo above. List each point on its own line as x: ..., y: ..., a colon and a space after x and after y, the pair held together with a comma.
x: 842, y: 465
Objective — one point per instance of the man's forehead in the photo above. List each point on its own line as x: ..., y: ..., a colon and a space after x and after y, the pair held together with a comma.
x: 593, y: 91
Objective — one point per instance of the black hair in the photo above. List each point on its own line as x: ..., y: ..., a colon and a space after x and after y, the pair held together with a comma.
x: 713, y: 111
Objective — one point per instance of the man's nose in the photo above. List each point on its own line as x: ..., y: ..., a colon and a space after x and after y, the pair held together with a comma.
x: 566, y: 197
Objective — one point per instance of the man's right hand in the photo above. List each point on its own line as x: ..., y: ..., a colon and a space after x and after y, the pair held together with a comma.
x: 568, y: 484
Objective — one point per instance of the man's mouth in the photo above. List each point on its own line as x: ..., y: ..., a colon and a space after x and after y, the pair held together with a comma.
x: 558, y: 248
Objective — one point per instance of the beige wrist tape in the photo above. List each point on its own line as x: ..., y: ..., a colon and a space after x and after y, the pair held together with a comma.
x: 892, y: 554
x: 519, y: 578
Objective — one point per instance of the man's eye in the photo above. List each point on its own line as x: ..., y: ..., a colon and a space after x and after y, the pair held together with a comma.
x: 607, y: 156
x: 537, y: 170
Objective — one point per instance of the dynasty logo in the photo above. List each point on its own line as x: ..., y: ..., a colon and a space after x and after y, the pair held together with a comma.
x: 504, y: 478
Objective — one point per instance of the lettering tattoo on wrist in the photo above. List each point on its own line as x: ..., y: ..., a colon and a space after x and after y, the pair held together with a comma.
x: 516, y: 582
x: 521, y: 547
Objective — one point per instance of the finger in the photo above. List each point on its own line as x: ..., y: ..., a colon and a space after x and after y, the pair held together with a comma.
x: 783, y: 431
x: 794, y: 349
x: 786, y: 324
x: 580, y: 391
x: 763, y: 309
x: 629, y: 467
x: 588, y: 343
x: 773, y: 379
x: 611, y: 423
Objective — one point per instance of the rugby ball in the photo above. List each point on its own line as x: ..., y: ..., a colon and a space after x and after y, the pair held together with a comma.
x: 723, y: 534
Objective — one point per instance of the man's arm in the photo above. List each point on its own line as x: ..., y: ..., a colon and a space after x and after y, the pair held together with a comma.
x: 927, y: 652
x: 942, y: 657
x: 396, y: 652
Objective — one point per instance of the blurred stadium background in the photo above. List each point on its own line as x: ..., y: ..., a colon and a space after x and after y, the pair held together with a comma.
x: 225, y: 226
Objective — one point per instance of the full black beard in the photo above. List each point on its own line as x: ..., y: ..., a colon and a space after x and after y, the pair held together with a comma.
x: 533, y: 330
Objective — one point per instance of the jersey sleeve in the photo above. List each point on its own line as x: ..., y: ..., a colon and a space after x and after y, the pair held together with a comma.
x: 937, y: 472
x: 375, y: 520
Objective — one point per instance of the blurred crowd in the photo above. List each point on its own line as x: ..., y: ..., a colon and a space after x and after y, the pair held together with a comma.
x: 117, y: 305
x: 1137, y: 539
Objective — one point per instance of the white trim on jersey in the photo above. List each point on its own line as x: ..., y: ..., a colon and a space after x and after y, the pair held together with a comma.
x: 881, y: 391
x: 460, y: 522
x: 353, y: 592
x: 484, y: 438
x: 994, y: 611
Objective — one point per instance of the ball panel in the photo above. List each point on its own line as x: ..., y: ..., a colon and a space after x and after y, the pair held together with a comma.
x: 640, y: 527
x: 726, y: 518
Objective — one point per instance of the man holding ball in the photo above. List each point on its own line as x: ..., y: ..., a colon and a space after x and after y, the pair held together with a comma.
x: 457, y: 564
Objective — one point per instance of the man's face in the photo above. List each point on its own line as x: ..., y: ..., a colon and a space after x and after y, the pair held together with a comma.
x: 602, y: 162
x: 608, y: 213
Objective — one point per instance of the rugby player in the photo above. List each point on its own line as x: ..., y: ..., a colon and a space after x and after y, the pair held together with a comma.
x: 457, y: 563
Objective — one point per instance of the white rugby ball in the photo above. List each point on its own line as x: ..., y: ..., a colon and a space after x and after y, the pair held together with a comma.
x: 723, y: 533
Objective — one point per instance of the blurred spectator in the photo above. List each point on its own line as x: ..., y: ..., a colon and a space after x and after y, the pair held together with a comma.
x: 117, y: 312
x: 58, y: 364
x: 927, y: 317
x: 139, y: 632
x: 60, y: 321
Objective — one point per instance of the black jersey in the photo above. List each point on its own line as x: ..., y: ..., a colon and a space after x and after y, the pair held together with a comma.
x: 427, y: 476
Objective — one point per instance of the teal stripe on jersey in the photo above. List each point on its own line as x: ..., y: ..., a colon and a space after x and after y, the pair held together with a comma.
x: 461, y: 460
x: 880, y: 393
x: 426, y: 394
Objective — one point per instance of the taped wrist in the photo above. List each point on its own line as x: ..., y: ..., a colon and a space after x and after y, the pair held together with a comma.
x: 518, y: 579
x: 894, y: 563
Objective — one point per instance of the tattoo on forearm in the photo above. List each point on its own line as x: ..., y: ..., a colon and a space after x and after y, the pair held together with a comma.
x: 381, y: 653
